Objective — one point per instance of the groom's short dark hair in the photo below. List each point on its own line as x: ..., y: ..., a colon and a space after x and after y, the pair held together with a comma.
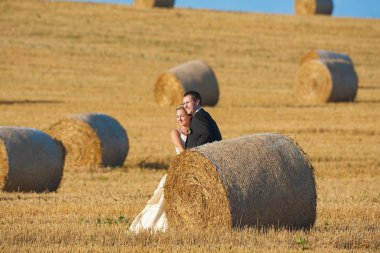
x: 195, y: 95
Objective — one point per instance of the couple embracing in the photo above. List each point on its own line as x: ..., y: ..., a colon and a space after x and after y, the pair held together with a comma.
x: 196, y: 127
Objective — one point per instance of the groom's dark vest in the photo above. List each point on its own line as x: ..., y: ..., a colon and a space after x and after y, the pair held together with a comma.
x: 203, y: 130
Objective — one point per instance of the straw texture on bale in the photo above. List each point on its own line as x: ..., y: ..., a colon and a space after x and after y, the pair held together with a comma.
x: 154, y: 3
x: 30, y: 160
x: 259, y: 180
x: 326, y: 55
x: 325, y: 80
x: 312, y: 7
x: 92, y: 139
x: 193, y: 75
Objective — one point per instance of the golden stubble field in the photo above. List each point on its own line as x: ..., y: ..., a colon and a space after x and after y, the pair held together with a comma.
x: 60, y: 58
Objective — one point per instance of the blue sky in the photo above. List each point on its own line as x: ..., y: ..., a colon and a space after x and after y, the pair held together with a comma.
x: 342, y: 8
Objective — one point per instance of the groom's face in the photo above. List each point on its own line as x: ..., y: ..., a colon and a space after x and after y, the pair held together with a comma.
x: 189, y: 104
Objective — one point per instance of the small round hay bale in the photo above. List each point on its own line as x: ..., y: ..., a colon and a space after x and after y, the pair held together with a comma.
x: 154, y: 3
x: 326, y: 55
x: 313, y: 7
x: 259, y: 180
x: 193, y: 75
x: 30, y: 160
x: 326, y: 81
x: 92, y: 139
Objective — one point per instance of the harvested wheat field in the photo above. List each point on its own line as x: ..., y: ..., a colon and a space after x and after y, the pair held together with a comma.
x: 59, y: 59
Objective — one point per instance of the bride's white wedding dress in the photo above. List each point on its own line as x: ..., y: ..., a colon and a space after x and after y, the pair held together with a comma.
x: 153, y: 217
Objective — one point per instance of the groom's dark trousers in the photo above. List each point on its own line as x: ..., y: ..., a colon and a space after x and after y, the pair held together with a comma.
x: 203, y: 129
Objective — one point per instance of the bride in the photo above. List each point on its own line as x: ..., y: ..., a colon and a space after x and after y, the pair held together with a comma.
x: 152, y: 217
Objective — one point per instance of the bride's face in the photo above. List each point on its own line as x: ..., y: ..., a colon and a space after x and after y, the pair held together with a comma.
x: 183, y: 118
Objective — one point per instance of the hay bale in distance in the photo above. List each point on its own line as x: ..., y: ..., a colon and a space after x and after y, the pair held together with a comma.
x: 193, y: 75
x: 257, y: 180
x: 154, y: 3
x: 326, y: 55
x: 30, y: 160
x: 325, y: 80
x: 313, y: 7
x: 92, y: 139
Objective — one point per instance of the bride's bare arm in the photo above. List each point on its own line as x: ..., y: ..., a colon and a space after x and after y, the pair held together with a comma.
x: 175, y: 138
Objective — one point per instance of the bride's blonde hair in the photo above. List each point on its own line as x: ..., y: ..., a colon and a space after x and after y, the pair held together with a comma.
x: 180, y: 107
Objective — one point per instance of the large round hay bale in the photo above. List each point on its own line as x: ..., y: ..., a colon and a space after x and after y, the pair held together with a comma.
x: 154, y: 3
x: 92, y: 139
x: 312, y: 7
x: 325, y: 80
x: 193, y: 75
x: 259, y: 180
x: 30, y: 160
x: 326, y: 55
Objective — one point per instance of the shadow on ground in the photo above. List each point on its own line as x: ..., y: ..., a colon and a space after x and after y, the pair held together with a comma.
x: 27, y: 101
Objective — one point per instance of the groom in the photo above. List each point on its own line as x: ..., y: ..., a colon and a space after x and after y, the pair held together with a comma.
x: 203, y: 128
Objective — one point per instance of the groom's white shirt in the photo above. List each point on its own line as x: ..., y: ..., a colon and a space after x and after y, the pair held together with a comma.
x: 197, y: 110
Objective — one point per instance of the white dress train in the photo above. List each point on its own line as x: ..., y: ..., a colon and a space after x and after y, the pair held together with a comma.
x: 153, y: 217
